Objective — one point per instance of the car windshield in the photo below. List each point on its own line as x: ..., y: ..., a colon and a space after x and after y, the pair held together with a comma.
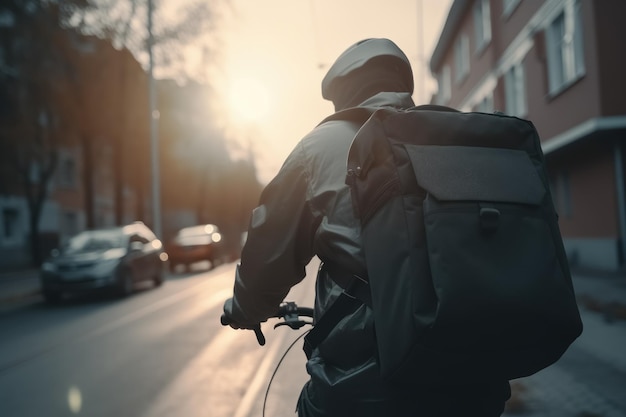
x: 94, y: 241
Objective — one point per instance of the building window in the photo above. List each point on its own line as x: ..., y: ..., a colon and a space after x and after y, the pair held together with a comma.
x: 445, y: 89
x: 562, y: 194
x: 34, y: 172
x: 461, y: 58
x: 485, y: 105
x: 565, y: 48
x: 67, y: 172
x: 515, y: 91
x: 6, y: 19
x: 70, y: 223
x: 508, y: 6
x: 482, y: 24
x: 10, y: 223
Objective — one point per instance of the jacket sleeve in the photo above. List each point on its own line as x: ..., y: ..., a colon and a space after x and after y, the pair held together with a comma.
x: 279, y: 244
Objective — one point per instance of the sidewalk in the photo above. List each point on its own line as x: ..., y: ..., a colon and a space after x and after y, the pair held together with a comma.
x: 19, y: 286
x: 601, y: 292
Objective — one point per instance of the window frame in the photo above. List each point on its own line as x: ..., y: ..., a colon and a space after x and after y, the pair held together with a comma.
x: 482, y: 24
x: 515, y: 99
x: 461, y: 58
x: 509, y: 6
x: 445, y: 85
x: 565, y: 55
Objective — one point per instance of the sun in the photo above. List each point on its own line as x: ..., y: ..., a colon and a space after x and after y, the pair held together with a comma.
x: 248, y: 100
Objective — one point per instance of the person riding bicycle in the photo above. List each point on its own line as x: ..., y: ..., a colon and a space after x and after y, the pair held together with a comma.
x: 306, y: 211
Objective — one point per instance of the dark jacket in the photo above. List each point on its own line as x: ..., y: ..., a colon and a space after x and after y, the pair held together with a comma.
x: 306, y: 211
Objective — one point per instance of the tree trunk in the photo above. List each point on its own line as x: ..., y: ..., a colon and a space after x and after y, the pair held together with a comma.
x: 35, y: 244
x: 88, y: 182
x: 118, y: 152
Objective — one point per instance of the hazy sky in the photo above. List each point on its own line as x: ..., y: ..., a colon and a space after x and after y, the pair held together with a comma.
x: 276, y: 52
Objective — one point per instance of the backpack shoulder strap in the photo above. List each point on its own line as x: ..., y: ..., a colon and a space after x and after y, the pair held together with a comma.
x: 353, y: 114
x: 434, y: 107
x: 356, y: 292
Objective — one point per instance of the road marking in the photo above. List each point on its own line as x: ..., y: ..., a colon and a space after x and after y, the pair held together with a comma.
x: 261, y: 377
x: 301, y: 293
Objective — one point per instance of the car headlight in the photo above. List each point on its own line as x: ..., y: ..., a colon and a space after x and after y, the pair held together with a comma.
x: 48, y: 267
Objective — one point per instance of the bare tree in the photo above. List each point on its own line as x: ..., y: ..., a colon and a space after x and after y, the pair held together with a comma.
x: 33, y: 77
x: 179, y: 26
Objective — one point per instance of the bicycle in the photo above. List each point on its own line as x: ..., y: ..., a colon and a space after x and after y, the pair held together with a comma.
x: 290, y: 314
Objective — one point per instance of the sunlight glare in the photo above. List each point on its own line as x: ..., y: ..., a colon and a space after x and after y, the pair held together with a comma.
x: 248, y: 100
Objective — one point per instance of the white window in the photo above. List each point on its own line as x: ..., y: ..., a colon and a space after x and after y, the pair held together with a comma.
x: 564, y: 47
x: 485, y: 105
x: 461, y: 58
x: 515, y: 91
x: 482, y: 24
x: 445, y: 89
x: 508, y: 6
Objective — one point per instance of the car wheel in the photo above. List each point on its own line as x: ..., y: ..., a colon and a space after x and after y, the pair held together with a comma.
x: 53, y: 297
x: 125, y: 284
x: 212, y: 263
x: 158, y: 278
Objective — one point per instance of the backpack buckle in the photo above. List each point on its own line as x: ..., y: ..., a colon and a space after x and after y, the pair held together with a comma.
x: 489, y: 219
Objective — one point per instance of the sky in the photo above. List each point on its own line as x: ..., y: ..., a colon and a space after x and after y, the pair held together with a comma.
x: 274, y: 54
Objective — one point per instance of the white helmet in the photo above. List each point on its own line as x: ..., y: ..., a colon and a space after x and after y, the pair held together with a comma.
x: 357, y: 55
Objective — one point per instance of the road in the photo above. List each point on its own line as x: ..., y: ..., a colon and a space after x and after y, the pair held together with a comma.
x: 161, y: 352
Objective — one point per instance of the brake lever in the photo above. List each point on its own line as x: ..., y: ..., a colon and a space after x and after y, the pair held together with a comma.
x: 259, y: 335
x: 294, y: 324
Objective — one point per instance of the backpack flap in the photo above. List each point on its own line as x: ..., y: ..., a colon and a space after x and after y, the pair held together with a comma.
x: 465, y: 173
x: 503, y: 297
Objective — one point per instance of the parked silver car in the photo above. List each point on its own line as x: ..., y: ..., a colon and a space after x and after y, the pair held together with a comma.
x: 114, y: 258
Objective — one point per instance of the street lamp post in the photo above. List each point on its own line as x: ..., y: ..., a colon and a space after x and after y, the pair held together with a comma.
x: 154, y: 140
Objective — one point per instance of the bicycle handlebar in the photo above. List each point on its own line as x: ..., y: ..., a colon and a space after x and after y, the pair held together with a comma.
x: 289, y: 311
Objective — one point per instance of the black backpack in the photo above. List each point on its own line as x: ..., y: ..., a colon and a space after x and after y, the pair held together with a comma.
x: 467, y: 275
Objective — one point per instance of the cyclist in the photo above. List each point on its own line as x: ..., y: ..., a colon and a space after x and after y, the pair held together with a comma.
x: 306, y: 211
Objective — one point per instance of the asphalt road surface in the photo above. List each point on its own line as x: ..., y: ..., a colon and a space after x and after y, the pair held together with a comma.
x: 161, y: 352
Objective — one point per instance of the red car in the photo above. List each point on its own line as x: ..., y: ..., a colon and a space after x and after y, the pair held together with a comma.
x: 195, y: 244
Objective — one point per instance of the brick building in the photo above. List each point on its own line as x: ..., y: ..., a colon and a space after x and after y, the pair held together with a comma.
x: 560, y: 64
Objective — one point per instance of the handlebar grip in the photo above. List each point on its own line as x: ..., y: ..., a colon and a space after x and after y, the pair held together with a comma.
x: 260, y: 337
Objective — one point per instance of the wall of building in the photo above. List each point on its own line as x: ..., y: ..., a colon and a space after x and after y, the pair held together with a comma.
x: 609, y: 34
x: 583, y: 175
x: 14, y: 232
